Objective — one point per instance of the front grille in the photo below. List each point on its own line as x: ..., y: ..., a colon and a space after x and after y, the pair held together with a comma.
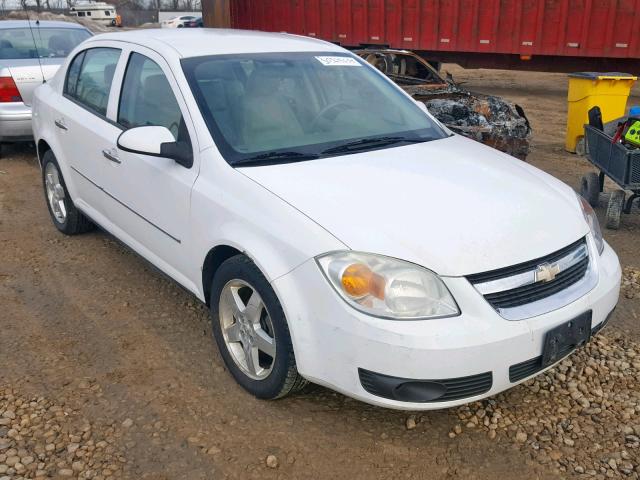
x: 521, y: 285
x: 411, y: 390
x: 539, y: 290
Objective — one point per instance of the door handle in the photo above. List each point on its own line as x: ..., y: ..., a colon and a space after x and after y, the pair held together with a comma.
x: 110, y: 156
x: 60, y: 124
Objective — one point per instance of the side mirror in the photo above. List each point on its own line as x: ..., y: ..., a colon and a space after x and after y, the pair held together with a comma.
x: 422, y: 106
x: 156, y: 142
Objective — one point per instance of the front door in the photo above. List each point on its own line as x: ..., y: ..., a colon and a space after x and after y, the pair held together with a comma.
x: 149, y: 197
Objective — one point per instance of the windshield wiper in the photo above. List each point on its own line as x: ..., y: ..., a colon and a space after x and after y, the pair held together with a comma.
x: 271, y: 158
x: 370, y: 142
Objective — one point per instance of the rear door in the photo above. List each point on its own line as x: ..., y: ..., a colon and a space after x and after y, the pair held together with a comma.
x: 148, y: 196
x: 81, y: 122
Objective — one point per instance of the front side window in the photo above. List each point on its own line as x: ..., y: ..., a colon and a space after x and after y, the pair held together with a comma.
x: 90, y: 82
x: 107, y: 13
x: 277, y: 105
x: 81, y: 14
x: 147, y: 98
x: 41, y: 42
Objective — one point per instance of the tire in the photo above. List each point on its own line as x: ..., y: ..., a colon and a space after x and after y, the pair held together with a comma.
x: 282, y: 378
x: 581, y: 147
x: 614, y: 209
x: 74, y: 222
x: 590, y: 188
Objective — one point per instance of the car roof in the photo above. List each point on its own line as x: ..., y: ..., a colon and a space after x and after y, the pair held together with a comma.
x: 218, y: 41
x: 41, y: 23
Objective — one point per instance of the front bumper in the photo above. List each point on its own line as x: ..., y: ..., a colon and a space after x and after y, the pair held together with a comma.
x: 15, y: 122
x: 334, y: 344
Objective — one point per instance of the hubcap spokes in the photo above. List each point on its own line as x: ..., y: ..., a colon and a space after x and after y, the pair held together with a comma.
x: 55, y: 192
x: 247, y: 329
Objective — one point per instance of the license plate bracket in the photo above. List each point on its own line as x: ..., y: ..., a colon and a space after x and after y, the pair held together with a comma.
x: 563, y: 339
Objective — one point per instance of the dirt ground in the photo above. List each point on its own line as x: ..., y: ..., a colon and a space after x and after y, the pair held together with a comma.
x: 89, y: 327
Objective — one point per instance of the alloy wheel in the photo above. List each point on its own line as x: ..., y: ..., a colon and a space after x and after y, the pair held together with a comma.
x: 247, y: 329
x: 55, y: 192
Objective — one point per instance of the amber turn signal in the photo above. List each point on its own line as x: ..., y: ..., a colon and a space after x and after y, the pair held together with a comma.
x: 359, y: 280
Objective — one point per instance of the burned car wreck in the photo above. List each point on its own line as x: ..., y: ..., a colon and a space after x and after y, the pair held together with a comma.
x: 491, y: 120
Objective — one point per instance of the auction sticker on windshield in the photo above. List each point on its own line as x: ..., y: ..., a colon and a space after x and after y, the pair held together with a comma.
x: 338, y: 61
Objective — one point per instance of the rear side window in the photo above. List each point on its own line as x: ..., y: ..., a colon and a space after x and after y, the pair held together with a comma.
x: 147, y: 98
x: 89, y: 77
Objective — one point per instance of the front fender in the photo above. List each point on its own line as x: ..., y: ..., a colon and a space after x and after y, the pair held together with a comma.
x: 230, y: 209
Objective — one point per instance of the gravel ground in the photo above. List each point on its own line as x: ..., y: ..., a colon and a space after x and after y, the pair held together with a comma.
x: 581, y: 416
x: 43, y: 439
x: 107, y: 369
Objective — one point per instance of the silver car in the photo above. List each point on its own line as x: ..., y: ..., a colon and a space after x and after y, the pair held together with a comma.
x: 30, y: 53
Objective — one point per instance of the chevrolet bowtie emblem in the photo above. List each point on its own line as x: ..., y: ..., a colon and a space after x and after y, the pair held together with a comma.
x: 547, y: 272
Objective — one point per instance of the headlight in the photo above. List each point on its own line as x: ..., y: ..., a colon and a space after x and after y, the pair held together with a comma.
x: 386, y: 287
x: 592, y: 221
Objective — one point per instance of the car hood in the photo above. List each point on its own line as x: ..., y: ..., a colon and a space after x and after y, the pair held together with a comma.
x: 453, y: 205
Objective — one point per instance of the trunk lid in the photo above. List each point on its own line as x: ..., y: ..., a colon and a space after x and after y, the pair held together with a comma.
x: 28, y: 74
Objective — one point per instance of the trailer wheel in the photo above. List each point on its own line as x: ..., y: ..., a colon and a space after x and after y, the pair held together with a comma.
x: 614, y: 209
x: 590, y: 188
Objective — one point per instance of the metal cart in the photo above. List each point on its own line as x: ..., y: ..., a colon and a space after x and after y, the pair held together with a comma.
x: 620, y: 164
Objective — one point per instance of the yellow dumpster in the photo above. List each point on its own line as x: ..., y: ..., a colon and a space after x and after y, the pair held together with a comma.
x: 609, y: 91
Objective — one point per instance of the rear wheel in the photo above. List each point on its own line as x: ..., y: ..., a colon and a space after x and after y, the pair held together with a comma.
x: 64, y: 215
x: 251, y: 331
x: 614, y: 209
x: 590, y: 188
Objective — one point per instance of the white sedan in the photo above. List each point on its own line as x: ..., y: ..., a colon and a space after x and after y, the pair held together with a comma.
x: 338, y: 232
x: 177, y: 22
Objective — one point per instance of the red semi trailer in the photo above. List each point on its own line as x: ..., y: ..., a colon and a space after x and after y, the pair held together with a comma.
x: 550, y: 35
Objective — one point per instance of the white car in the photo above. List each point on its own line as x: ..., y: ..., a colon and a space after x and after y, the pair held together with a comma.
x: 177, y: 22
x: 338, y: 232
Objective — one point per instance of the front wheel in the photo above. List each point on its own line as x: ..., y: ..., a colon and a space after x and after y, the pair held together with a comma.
x: 64, y: 215
x: 251, y: 331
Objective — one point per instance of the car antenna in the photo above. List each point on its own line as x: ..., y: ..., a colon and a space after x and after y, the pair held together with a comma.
x: 35, y: 44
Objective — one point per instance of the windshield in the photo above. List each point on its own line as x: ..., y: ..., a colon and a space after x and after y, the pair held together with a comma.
x: 296, y: 106
x: 18, y: 43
